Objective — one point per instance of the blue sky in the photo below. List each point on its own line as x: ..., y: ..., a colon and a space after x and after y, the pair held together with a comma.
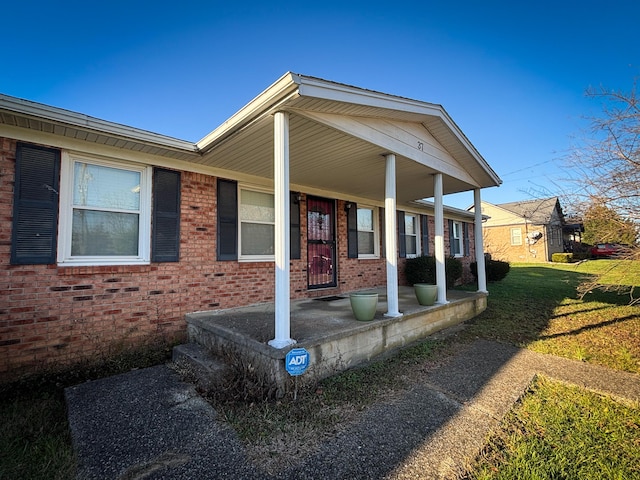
x: 511, y: 74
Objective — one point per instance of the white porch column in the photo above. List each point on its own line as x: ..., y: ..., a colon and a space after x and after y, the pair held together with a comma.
x: 441, y: 279
x: 282, y: 231
x: 390, y: 229
x: 477, y: 206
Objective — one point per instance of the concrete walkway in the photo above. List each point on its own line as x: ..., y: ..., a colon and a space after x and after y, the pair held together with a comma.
x: 148, y: 424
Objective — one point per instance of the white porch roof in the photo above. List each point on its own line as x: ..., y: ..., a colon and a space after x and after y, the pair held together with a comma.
x: 338, y: 137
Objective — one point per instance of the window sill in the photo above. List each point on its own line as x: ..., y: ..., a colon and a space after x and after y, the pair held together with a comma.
x: 256, y: 259
x: 101, y: 262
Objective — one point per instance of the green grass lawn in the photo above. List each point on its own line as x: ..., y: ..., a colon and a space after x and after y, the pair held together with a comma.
x: 563, y: 432
x: 539, y: 307
x: 559, y: 431
x: 535, y: 306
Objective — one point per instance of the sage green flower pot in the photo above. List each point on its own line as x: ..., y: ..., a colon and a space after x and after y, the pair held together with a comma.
x: 426, y: 293
x: 364, y: 305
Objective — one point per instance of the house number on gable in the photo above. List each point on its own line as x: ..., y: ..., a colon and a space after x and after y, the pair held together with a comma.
x: 421, y: 146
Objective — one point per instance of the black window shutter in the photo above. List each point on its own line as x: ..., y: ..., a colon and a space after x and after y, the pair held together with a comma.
x: 294, y: 225
x: 165, y: 239
x: 402, y: 241
x: 352, y: 230
x: 35, y: 205
x: 424, y: 234
x: 465, y: 239
x: 227, y: 245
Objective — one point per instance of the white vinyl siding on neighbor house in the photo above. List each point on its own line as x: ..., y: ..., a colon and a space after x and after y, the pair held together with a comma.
x: 256, y: 215
x: 368, y: 232
x: 516, y: 236
x: 105, y: 211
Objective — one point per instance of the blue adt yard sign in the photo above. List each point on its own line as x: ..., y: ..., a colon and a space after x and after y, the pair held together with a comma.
x: 297, y: 361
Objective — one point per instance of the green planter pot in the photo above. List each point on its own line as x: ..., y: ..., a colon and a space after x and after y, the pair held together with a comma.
x: 364, y: 305
x: 426, y: 293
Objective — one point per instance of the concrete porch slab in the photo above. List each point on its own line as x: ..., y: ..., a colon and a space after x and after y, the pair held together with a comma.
x: 327, y: 329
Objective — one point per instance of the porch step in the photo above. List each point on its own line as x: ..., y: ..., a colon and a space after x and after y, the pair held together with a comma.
x: 199, y: 366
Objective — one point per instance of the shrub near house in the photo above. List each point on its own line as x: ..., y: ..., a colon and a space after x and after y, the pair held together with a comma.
x: 423, y: 270
x: 496, y: 270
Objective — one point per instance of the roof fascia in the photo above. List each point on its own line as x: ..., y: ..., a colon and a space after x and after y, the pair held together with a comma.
x: 451, y: 211
x: 511, y: 212
x: 319, y: 88
x: 283, y: 89
x: 327, y: 90
x: 81, y: 121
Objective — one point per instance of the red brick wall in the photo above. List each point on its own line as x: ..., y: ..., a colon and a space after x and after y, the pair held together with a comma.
x: 50, y: 315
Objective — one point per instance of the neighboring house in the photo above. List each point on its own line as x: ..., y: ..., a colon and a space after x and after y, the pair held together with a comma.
x: 525, y: 231
x: 110, y: 234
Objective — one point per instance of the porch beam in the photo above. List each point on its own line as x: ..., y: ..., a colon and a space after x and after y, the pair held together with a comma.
x: 282, y: 232
x: 390, y: 230
x: 441, y: 279
x: 479, y: 242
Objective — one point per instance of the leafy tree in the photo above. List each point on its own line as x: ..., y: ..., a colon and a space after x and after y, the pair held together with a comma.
x: 604, y: 225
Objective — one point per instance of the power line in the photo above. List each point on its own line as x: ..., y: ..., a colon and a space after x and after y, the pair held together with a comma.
x: 527, y: 167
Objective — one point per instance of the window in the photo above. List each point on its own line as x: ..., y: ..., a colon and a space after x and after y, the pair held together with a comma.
x: 516, y: 236
x: 367, y: 232
x: 411, y: 234
x: 257, y: 225
x: 104, y: 212
x: 456, y: 239
x: 246, y: 223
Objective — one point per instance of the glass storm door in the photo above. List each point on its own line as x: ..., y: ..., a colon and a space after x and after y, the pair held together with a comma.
x: 321, y: 243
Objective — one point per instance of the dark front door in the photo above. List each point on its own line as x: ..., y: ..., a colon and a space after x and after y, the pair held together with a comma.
x: 321, y: 242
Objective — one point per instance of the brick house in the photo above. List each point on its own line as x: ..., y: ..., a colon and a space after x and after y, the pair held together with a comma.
x: 525, y: 231
x: 110, y: 234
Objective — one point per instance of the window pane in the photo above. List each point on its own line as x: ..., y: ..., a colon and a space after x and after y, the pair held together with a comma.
x: 319, y: 226
x: 516, y: 236
x: 104, y: 233
x: 257, y: 239
x: 410, y: 225
x: 410, y: 242
x: 457, y: 227
x: 105, y: 187
x: 365, y: 219
x: 256, y: 206
x: 365, y: 243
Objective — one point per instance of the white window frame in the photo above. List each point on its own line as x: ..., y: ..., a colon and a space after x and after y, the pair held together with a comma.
x: 512, y: 237
x: 376, y: 232
x: 417, y: 234
x: 66, y: 213
x: 459, y: 240
x: 253, y: 258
